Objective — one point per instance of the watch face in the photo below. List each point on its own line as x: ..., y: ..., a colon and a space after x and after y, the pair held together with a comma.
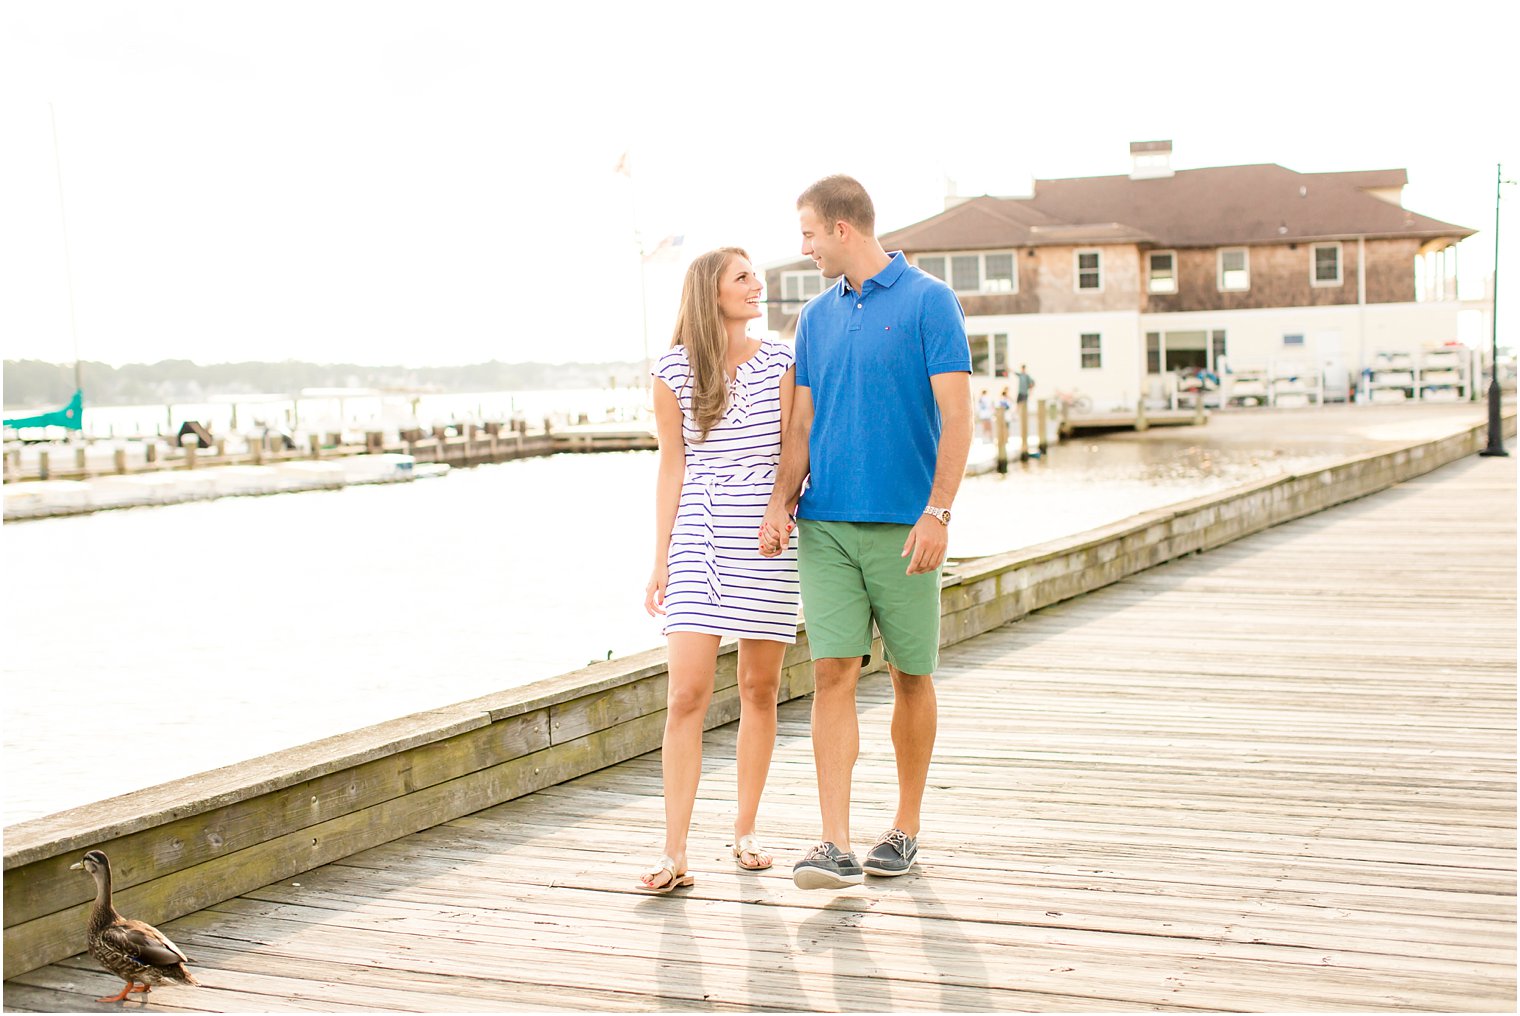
x: 944, y: 516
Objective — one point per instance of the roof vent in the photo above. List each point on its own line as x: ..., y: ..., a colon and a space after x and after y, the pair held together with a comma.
x: 1151, y: 159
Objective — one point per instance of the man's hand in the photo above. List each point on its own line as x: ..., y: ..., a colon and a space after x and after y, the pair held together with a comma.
x: 775, y: 531
x: 926, y: 545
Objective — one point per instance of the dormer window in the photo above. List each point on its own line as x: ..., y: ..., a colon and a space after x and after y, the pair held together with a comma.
x: 995, y: 272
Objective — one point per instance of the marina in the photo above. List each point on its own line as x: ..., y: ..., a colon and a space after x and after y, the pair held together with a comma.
x: 1125, y: 812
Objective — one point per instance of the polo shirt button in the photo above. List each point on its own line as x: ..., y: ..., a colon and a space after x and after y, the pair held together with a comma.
x: 859, y: 306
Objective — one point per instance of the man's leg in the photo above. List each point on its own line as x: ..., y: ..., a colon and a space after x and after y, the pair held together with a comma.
x: 836, y: 743
x: 907, y: 610
x: 839, y: 633
x: 915, y: 720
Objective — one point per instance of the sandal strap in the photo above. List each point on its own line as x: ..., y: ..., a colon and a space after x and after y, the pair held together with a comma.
x: 747, y: 844
x: 664, y: 864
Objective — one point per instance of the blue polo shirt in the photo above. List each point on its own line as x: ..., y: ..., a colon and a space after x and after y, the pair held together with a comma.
x: 866, y: 359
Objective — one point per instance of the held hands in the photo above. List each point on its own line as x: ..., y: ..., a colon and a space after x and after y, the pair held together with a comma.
x: 775, y: 531
x: 926, y: 545
x: 654, y: 593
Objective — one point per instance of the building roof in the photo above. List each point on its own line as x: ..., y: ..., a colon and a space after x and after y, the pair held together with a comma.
x: 1223, y: 206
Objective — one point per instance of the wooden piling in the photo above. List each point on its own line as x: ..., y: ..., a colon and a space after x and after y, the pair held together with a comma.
x: 42, y: 464
x: 1042, y: 415
x: 191, y: 444
x: 1140, y: 422
x: 315, y: 440
x: 119, y: 461
x: 1023, y: 430
x: 1000, y: 429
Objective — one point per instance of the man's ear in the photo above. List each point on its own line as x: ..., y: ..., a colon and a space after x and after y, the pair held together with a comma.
x: 845, y: 230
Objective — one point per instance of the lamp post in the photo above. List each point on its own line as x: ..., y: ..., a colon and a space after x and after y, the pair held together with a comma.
x: 1495, y: 395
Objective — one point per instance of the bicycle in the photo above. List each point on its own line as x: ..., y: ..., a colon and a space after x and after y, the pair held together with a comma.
x: 1073, y: 401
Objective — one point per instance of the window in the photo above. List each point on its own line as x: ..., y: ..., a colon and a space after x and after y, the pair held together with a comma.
x: 989, y: 355
x: 1089, y: 271
x: 973, y: 273
x: 797, y: 288
x: 1325, y: 264
x: 1234, y: 270
x: 1092, y: 350
x: 966, y: 273
x: 1293, y: 340
x: 1161, y: 276
x: 998, y: 273
x: 1192, y: 349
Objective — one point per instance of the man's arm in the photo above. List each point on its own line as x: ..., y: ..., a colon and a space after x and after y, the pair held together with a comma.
x: 929, y: 537
x: 775, y: 530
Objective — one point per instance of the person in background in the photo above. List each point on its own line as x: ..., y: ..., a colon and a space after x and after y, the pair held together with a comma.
x: 1025, y: 382
x: 722, y: 403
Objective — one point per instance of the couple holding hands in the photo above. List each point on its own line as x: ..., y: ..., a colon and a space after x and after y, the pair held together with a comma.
x: 871, y: 412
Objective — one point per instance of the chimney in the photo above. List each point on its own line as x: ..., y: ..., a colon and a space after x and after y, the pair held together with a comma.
x: 1151, y: 159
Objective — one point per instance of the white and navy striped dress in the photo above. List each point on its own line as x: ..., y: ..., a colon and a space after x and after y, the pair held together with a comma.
x: 718, y: 582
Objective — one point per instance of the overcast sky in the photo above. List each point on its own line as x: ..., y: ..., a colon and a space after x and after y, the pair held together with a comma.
x: 433, y: 183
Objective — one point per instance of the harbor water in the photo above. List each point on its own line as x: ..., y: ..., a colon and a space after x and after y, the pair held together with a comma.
x: 148, y: 644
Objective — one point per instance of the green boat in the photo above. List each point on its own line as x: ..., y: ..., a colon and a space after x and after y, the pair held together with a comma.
x: 70, y: 416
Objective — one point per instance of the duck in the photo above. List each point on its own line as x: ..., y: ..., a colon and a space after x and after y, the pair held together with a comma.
x: 135, y: 951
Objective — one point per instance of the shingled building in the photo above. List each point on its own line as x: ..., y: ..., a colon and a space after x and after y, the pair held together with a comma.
x: 1118, y: 285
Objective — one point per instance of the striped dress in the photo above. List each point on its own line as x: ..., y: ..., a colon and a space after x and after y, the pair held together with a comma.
x: 718, y: 582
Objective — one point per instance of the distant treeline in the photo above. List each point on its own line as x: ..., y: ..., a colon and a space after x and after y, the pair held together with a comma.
x: 30, y: 383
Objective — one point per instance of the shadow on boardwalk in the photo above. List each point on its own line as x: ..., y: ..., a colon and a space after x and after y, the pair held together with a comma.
x: 1279, y: 776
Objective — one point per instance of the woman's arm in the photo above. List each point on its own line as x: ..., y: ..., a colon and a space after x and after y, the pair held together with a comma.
x: 667, y: 490
x: 797, y: 425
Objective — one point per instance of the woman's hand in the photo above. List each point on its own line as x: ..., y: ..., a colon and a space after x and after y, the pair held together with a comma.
x: 654, y: 593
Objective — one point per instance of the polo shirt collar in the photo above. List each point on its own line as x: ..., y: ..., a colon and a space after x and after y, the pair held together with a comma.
x: 886, y: 277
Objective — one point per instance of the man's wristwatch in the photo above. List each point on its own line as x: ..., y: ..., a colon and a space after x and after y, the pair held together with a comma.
x: 943, y: 514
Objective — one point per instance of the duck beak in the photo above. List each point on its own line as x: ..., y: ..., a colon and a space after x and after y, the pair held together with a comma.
x: 77, y: 866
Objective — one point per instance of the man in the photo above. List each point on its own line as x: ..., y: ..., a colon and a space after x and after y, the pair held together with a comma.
x: 880, y: 428
x: 1025, y: 383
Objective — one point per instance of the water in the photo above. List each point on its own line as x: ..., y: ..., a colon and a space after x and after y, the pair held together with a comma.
x: 350, y: 412
x: 199, y: 635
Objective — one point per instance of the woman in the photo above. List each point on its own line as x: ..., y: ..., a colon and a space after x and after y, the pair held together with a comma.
x: 721, y: 404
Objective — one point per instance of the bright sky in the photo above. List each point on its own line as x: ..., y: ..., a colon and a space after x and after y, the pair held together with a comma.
x: 433, y: 182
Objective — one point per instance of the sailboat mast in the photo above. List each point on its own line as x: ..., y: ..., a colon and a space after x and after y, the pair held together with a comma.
x: 68, y: 260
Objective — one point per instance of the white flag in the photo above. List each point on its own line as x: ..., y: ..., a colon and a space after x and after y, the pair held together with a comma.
x: 665, y: 246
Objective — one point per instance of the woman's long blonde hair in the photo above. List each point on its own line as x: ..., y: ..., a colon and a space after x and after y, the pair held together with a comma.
x: 699, y: 327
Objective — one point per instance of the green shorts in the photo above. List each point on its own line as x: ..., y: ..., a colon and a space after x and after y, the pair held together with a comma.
x: 853, y: 573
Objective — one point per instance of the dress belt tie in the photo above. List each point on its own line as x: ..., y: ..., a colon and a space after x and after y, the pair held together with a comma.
x: 705, y: 483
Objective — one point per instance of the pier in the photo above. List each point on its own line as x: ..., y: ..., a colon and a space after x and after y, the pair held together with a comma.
x: 1305, y: 803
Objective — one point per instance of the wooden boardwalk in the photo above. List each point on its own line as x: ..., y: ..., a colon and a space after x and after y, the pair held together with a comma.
x: 1277, y: 776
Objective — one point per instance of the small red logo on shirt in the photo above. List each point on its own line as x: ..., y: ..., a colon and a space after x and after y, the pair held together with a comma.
x: 889, y: 328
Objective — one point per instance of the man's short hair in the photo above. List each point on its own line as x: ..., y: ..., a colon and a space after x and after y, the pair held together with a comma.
x: 841, y: 198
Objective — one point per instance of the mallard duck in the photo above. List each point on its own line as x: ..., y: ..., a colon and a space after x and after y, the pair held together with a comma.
x: 138, y: 953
